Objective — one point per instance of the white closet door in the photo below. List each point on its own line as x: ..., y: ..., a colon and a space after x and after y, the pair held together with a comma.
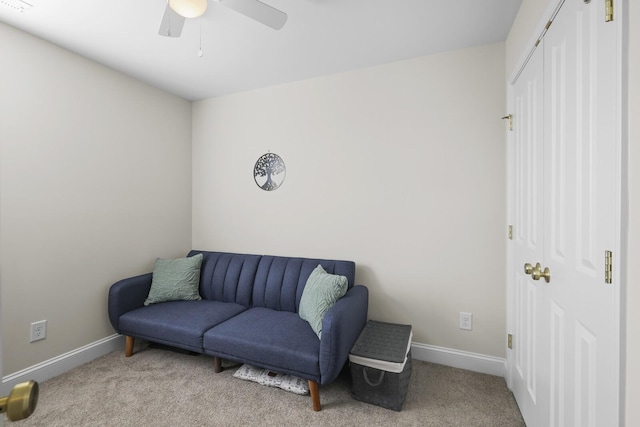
x: 565, y: 363
x: 579, y: 185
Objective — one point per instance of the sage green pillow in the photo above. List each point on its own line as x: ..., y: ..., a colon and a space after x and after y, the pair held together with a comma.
x: 175, y: 280
x: 321, y: 291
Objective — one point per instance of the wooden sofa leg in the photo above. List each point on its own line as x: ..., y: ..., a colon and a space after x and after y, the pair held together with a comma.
x: 128, y: 350
x: 217, y: 364
x: 315, y: 394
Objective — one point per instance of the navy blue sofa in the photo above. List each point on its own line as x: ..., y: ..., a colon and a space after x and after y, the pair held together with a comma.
x: 249, y: 314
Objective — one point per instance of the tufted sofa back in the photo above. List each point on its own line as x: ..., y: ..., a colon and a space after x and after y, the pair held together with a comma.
x: 280, y: 280
x: 262, y: 281
x: 227, y: 277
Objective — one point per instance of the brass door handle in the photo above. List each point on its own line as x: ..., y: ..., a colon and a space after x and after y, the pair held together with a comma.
x: 538, y: 273
x: 21, y: 402
x: 528, y: 268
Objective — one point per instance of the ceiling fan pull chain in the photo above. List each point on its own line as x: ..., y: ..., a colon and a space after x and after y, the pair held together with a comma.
x: 200, y: 54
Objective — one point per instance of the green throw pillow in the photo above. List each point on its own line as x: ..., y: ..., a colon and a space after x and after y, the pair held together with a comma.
x: 175, y: 280
x: 320, y: 293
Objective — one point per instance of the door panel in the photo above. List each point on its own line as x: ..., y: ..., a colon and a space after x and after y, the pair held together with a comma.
x: 560, y: 99
x: 557, y: 374
x: 528, y: 244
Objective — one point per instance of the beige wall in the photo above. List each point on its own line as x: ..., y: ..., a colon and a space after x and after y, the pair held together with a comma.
x: 400, y: 168
x: 526, y: 24
x: 95, y: 181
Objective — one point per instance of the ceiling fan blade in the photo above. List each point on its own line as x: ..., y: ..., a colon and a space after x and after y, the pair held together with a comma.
x: 261, y: 12
x: 172, y: 23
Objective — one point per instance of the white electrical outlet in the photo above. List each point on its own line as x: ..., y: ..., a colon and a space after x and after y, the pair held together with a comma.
x: 38, y: 330
x: 466, y: 321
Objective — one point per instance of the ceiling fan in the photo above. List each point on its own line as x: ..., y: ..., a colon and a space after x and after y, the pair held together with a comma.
x: 178, y: 10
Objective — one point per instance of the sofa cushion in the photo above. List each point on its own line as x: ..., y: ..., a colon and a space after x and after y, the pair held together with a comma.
x: 320, y: 294
x: 175, y: 280
x: 278, y: 340
x: 177, y: 323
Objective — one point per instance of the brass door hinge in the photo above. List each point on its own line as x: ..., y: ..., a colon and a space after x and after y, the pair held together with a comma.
x: 510, y: 231
x: 510, y: 118
x: 608, y: 267
x: 510, y: 341
x: 608, y: 10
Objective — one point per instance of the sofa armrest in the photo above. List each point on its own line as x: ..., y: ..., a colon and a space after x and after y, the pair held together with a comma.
x: 126, y: 295
x: 341, y: 328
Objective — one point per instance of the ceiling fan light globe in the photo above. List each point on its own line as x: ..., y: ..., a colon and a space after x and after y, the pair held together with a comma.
x: 189, y: 8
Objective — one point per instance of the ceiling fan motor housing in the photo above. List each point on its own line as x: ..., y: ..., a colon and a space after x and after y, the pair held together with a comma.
x: 189, y: 8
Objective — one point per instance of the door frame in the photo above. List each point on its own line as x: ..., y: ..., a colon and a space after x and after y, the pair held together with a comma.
x: 621, y: 193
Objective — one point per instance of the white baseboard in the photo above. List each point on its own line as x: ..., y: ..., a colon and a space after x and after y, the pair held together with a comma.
x: 63, y: 363
x: 459, y: 359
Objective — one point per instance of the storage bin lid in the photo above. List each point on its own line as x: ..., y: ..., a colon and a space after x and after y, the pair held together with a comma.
x: 382, y: 346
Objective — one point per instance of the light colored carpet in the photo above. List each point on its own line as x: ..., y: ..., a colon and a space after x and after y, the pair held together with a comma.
x: 163, y: 388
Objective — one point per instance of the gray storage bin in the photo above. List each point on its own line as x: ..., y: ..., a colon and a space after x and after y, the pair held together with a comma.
x: 381, y: 364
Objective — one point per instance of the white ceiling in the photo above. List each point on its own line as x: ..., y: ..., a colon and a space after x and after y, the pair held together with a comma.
x: 320, y: 37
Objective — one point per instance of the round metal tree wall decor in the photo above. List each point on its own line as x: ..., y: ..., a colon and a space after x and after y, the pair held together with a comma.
x: 269, y: 171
